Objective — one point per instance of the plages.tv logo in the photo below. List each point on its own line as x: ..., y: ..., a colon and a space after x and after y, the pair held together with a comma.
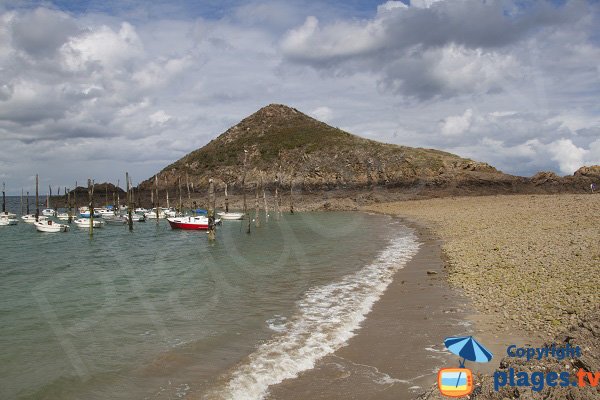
x: 458, y: 382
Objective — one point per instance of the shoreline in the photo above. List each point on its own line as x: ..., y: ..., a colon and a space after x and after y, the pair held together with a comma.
x: 528, y: 263
x: 397, y: 351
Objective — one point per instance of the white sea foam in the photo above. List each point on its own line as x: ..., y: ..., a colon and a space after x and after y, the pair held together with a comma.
x: 277, y: 323
x: 327, y: 317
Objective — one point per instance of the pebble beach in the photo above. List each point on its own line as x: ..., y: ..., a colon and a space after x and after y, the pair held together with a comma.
x: 528, y: 262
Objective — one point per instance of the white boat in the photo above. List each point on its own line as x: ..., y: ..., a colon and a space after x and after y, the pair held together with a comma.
x: 138, y: 217
x: 50, y: 226
x: 5, y: 220
x: 115, y: 220
x: 85, y: 223
x: 140, y: 210
x: 30, y: 218
x: 104, y: 212
x: 231, y: 215
x: 84, y: 212
x: 48, y: 212
x: 151, y: 214
x: 64, y: 216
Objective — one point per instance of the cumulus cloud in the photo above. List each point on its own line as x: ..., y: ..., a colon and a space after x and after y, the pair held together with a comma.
x: 457, y: 124
x: 466, y: 51
x: 514, y: 84
x: 322, y: 113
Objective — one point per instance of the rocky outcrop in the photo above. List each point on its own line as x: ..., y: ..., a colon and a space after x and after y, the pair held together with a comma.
x: 284, y: 145
x: 589, y: 172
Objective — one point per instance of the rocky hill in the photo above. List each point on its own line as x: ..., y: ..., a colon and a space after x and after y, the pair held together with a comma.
x: 284, y: 145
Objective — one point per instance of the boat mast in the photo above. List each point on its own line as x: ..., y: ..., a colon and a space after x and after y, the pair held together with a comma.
x: 27, y: 203
x: 3, y: 198
x: 37, y: 200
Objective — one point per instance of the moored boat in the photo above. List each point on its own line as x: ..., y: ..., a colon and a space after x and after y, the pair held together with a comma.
x: 85, y: 223
x: 50, y: 226
x: 8, y: 218
x: 190, y: 223
x: 84, y: 212
x: 231, y: 215
x: 6, y: 221
x: 48, y: 212
x: 30, y: 218
x: 64, y: 216
x: 104, y: 212
x: 115, y: 220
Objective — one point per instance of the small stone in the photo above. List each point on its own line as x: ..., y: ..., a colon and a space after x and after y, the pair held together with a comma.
x: 431, y: 273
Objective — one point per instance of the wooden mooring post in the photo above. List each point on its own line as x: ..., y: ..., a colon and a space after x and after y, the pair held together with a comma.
x: 211, y: 210
x: 157, y: 201
x: 292, y: 193
x: 129, y: 216
x: 266, y: 205
x: 244, y: 190
x: 91, y: 205
x: 256, y: 209
x: 37, y: 198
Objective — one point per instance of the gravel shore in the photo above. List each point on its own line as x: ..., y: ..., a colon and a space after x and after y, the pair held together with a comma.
x: 530, y: 262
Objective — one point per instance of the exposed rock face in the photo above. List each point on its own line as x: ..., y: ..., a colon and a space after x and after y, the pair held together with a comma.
x: 591, y: 171
x: 543, y: 177
x: 286, y: 145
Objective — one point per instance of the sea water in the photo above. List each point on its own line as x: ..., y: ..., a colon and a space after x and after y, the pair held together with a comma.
x: 160, y: 314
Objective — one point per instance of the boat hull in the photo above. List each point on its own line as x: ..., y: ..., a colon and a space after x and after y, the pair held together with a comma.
x: 49, y: 227
x: 85, y: 223
x: 30, y: 218
x: 231, y: 216
x: 188, y: 224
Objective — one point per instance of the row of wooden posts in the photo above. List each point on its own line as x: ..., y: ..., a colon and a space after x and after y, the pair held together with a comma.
x: 71, y: 201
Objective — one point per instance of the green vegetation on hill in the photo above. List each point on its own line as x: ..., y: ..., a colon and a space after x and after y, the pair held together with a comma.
x: 284, y: 144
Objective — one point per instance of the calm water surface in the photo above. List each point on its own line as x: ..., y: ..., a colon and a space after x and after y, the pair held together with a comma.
x: 162, y: 314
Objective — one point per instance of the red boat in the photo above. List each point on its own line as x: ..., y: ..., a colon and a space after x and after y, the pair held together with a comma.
x: 190, y: 223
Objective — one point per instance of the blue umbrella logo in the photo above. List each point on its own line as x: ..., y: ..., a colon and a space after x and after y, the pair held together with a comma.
x: 469, y: 349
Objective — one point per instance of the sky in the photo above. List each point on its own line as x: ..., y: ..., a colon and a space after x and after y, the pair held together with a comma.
x: 91, y: 89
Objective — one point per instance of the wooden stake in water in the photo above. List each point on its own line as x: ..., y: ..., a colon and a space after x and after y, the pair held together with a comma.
x: 292, y: 193
x: 27, y: 199
x: 3, y: 198
x: 244, y: 190
x: 264, y: 198
x: 211, y: 210
x: 187, y: 183
x: 119, y: 196
x: 277, y: 212
x: 129, y: 216
x: 37, y: 199
x: 180, y: 208
x: 257, y: 209
x: 91, y: 205
x: 21, y: 201
x: 70, y: 201
x: 226, y: 200
x: 75, y: 198
x: 157, y: 201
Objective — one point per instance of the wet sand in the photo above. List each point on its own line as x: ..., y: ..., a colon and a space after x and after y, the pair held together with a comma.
x: 398, y: 350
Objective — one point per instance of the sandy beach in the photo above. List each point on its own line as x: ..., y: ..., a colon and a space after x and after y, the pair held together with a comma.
x: 397, y: 351
x: 527, y: 261
x: 508, y: 269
